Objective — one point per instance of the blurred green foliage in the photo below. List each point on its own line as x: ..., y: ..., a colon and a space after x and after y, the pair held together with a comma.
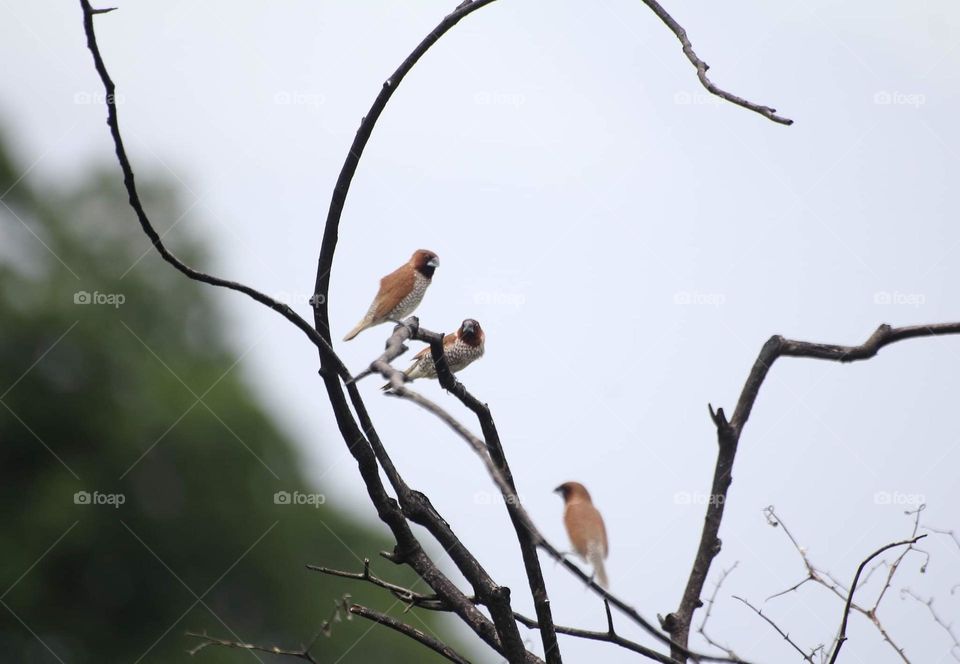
x: 102, y: 398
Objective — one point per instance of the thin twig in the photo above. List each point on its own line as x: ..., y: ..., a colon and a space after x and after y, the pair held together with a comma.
x: 786, y: 637
x: 947, y: 627
x: 409, y: 631
x: 839, y: 589
x: 341, y: 608
x: 702, y: 629
x: 240, y: 645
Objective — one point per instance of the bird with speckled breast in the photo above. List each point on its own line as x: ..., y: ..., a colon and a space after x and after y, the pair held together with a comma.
x: 400, y: 292
x: 460, y: 349
x: 585, y: 527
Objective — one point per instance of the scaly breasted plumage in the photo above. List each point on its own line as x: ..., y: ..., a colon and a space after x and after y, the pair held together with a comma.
x: 585, y: 527
x: 459, y: 348
x: 400, y: 291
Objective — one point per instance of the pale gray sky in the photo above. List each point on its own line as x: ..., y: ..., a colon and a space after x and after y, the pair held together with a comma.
x: 627, y: 242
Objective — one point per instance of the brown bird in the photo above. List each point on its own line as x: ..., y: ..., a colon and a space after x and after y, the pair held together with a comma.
x: 460, y: 349
x: 585, y: 527
x: 400, y: 291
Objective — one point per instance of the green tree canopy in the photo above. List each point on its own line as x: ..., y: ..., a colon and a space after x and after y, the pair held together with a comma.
x: 101, y: 368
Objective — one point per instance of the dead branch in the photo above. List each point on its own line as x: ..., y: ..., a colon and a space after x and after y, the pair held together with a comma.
x: 786, y: 637
x: 702, y: 629
x: 702, y: 67
x: 841, y: 639
x: 341, y: 609
x: 947, y: 627
x: 408, y: 631
x: 728, y: 438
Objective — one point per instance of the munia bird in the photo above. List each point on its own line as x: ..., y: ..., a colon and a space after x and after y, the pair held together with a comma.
x: 585, y: 527
x: 400, y: 292
x: 459, y: 348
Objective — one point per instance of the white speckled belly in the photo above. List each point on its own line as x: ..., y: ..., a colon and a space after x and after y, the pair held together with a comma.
x: 407, y: 305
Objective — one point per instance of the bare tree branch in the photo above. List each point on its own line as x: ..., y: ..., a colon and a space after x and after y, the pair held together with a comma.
x: 341, y: 608
x: 728, y: 438
x: 841, y: 639
x: 396, y: 380
x: 208, y: 640
x: 786, y: 637
x: 840, y: 590
x: 702, y: 67
x: 508, y: 638
x: 947, y: 627
x: 408, y: 631
x: 364, y: 444
x: 412, y: 599
x: 702, y: 629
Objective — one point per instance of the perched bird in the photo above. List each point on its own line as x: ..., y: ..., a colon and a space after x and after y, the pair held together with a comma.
x: 460, y: 349
x: 400, y: 291
x: 585, y: 527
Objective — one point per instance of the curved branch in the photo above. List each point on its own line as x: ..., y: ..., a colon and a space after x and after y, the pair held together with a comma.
x: 778, y: 346
x: 702, y: 67
x: 133, y: 195
x: 508, y: 642
x: 352, y: 160
x: 841, y: 639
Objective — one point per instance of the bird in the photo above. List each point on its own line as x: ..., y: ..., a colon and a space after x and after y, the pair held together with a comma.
x: 400, y: 292
x: 585, y: 527
x: 460, y: 349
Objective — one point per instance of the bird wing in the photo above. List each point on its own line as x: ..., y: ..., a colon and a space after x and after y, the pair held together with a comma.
x: 393, y: 288
x: 447, y: 340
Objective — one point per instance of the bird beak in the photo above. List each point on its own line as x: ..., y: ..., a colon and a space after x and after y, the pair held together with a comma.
x: 434, y: 262
x: 559, y: 490
x: 469, y: 327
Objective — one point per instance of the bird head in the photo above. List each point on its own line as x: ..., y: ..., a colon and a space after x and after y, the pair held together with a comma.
x: 471, y: 333
x: 425, y: 262
x: 571, y: 490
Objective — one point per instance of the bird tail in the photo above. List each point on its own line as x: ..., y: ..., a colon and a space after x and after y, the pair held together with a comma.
x: 595, y: 558
x: 361, y: 326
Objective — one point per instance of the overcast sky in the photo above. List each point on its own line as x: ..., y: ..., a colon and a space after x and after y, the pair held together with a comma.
x: 627, y: 242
